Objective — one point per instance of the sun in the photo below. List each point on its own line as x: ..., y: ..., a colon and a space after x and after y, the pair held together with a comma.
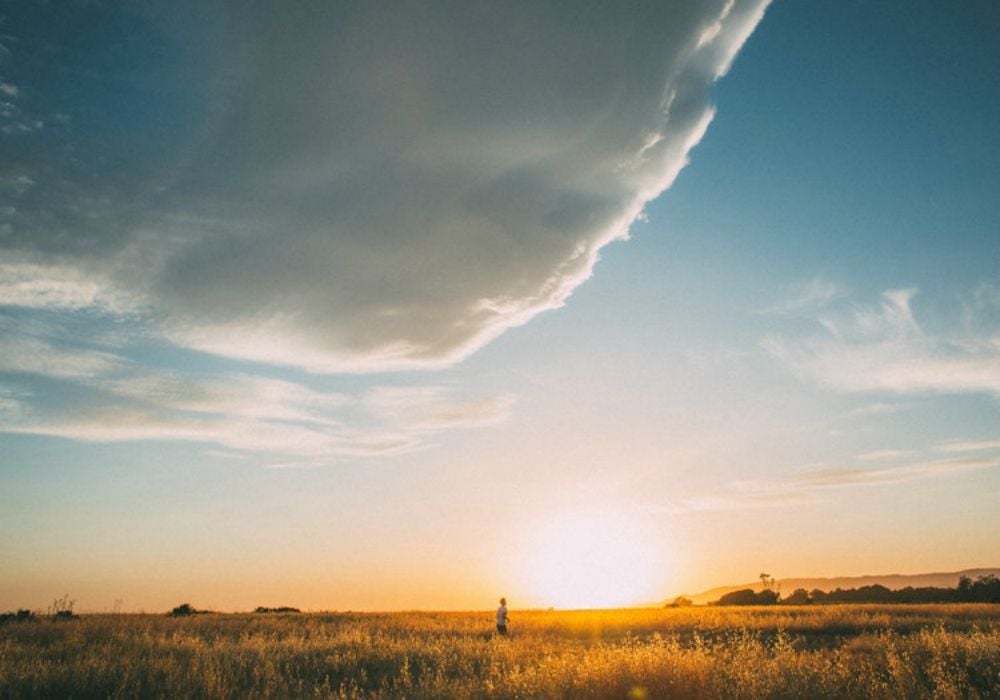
x: 593, y: 560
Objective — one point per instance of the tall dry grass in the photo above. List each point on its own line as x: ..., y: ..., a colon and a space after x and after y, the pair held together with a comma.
x: 809, y: 652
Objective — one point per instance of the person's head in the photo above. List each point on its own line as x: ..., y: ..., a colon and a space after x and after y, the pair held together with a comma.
x: 503, y: 601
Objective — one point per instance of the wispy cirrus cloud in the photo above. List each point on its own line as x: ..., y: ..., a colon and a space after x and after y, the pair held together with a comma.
x: 835, y: 477
x: 885, y: 455
x: 61, y: 287
x: 97, y: 396
x: 969, y: 446
x: 812, y: 296
x: 433, y: 408
x: 737, y: 496
x: 28, y: 355
x: 235, y: 395
x: 885, y: 349
x: 879, y: 408
x: 372, y: 188
x: 10, y: 404
x: 810, y: 485
x: 297, y: 443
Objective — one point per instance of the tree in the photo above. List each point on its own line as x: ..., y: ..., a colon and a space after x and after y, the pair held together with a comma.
x: 767, y: 598
x: 986, y: 589
x: 770, y: 586
x: 183, y: 610
x: 799, y: 597
x: 744, y: 596
x: 747, y: 596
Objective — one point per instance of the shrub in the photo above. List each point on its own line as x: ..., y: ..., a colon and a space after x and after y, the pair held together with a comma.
x: 183, y: 610
x: 746, y: 596
x: 21, y: 615
x: 62, y: 608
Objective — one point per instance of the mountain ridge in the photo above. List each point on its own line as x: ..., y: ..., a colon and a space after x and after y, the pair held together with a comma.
x: 892, y: 581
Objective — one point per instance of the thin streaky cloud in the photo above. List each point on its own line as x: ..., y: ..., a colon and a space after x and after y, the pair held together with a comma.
x: 879, y: 409
x: 884, y: 349
x: 808, y: 487
x: 838, y: 477
x: 250, y: 414
x: 883, y: 455
x: 59, y: 287
x: 225, y: 454
x: 103, y: 396
x: 734, y: 501
x: 27, y: 355
x: 811, y: 297
x: 435, y: 407
x: 960, y: 446
x: 111, y: 424
x: 240, y: 395
x: 11, y: 403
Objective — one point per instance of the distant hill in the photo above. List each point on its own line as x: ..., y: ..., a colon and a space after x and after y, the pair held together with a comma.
x: 891, y: 581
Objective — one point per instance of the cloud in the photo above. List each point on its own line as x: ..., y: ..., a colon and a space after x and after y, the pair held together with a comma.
x: 11, y: 406
x: 432, y: 407
x: 109, y: 400
x: 737, y: 498
x: 966, y: 446
x: 885, y: 349
x: 27, y: 355
x: 810, y: 297
x: 292, y: 436
x: 76, y: 381
x: 349, y: 186
x: 58, y: 287
x: 240, y: 395
x: 117, y: 423
x: 880, y: 408
x: 836, y: 477
x: 808, y: 486
x: 882, y: 455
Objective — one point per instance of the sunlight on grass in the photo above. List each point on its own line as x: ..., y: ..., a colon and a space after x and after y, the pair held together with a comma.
x: 809, y: 652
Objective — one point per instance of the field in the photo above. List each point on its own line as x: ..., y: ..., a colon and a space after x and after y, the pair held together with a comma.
x: 947, y: 651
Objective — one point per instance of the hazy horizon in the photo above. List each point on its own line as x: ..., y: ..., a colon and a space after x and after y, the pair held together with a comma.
x: 357, y: 307
x: 119, y: 606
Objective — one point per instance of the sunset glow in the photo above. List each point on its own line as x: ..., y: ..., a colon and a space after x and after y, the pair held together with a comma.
x: 348, y: 305
x: 594, y: 560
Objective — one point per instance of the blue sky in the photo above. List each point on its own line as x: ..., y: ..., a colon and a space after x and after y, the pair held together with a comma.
x: 279, y: 335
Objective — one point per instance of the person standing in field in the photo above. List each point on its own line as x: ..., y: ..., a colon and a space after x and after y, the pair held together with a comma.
x: 502, y: 617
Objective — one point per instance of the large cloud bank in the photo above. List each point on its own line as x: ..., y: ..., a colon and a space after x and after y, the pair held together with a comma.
x: 341, y: 186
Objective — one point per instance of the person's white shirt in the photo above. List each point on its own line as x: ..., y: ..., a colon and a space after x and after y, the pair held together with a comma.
x: 502, y: 615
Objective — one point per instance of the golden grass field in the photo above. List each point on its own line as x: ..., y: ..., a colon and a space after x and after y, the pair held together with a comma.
x: 863, y: 651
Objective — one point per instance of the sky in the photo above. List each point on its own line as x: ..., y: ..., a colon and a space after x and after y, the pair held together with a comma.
x: 352, y: 306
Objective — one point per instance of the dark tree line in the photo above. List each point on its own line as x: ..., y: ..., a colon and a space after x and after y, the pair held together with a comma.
x: 985, y: 589
x: 747, y: 596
